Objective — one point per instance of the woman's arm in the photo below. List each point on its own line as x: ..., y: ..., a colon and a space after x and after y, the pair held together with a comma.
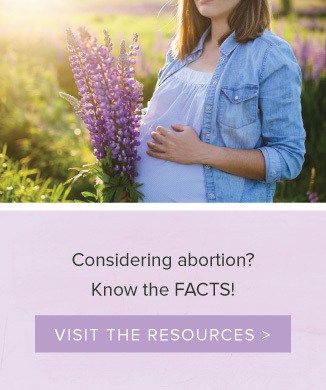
x: 283, y: 133
x: 184, y: 147
x: 283, y: 136
x: 245, y: 163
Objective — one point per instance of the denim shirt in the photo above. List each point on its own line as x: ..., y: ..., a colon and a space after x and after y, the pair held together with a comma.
x: 252, y: 102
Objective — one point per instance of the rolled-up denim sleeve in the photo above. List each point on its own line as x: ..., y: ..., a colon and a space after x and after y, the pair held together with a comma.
x: 283, y: 133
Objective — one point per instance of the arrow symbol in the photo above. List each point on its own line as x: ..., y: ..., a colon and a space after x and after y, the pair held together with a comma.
x: 265, y: 335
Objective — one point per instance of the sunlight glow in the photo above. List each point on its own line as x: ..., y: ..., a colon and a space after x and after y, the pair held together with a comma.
x: 29, y: 6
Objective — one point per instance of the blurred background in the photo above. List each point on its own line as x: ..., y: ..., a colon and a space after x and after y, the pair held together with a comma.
x: 40, y: 136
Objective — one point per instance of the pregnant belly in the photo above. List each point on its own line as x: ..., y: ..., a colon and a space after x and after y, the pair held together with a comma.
x: 165, y: 181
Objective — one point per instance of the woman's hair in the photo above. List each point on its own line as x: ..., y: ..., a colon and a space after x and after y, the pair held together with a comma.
x: 248, y: 19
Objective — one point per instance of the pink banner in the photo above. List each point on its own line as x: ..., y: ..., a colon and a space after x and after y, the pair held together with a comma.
x: 181, y: 264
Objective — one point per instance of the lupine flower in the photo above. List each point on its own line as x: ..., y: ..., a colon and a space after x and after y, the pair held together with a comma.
x: 312, y: 196
x: 310, y: 53
x: 110, y: 102
x: 313, y: 24
x: 311, y: 56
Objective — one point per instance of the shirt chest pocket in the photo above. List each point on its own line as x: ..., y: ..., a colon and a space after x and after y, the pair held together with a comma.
x: 238, y: 107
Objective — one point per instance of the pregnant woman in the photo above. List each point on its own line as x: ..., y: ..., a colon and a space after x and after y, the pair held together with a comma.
x: 224, y: 123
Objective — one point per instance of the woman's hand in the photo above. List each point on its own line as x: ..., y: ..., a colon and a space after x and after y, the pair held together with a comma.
x: 185, y: 147
x: 182, y: 146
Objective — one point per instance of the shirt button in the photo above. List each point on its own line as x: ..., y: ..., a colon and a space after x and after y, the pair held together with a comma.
x: 207, y: 167
x: 208, y: 108
x: 215, y: 82
x: 208, y: 136
x: 222, y: 59
x: 236, y: 98
x: 211, y: 195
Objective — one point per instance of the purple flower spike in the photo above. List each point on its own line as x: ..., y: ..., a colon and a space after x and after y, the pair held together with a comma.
x: 110, y: 97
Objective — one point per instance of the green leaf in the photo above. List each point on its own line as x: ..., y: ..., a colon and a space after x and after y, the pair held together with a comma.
x: 78, y: 176
x: 87, y: 194
x: 118, y: 195
x: 100, y: 187
x: 103, y: 176
x: 108, y: 194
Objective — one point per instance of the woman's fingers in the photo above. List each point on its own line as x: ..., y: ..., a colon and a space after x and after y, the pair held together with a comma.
x: 162, y: 130
x: 158, y: 137
x: 179, y: 127
x: 156, y: 147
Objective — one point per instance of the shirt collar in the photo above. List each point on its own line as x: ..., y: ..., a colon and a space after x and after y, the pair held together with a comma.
x: 227, y: 46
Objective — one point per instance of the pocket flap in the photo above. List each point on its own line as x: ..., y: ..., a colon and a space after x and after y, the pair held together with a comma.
x: 238, y: 95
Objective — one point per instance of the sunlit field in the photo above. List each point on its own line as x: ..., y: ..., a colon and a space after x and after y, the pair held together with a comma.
x: 41, y: 138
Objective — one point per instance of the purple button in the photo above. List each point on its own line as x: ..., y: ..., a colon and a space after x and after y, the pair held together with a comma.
x: 163, y: 333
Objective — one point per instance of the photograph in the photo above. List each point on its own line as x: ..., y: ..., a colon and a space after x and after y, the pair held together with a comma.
x: 193, y: 101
